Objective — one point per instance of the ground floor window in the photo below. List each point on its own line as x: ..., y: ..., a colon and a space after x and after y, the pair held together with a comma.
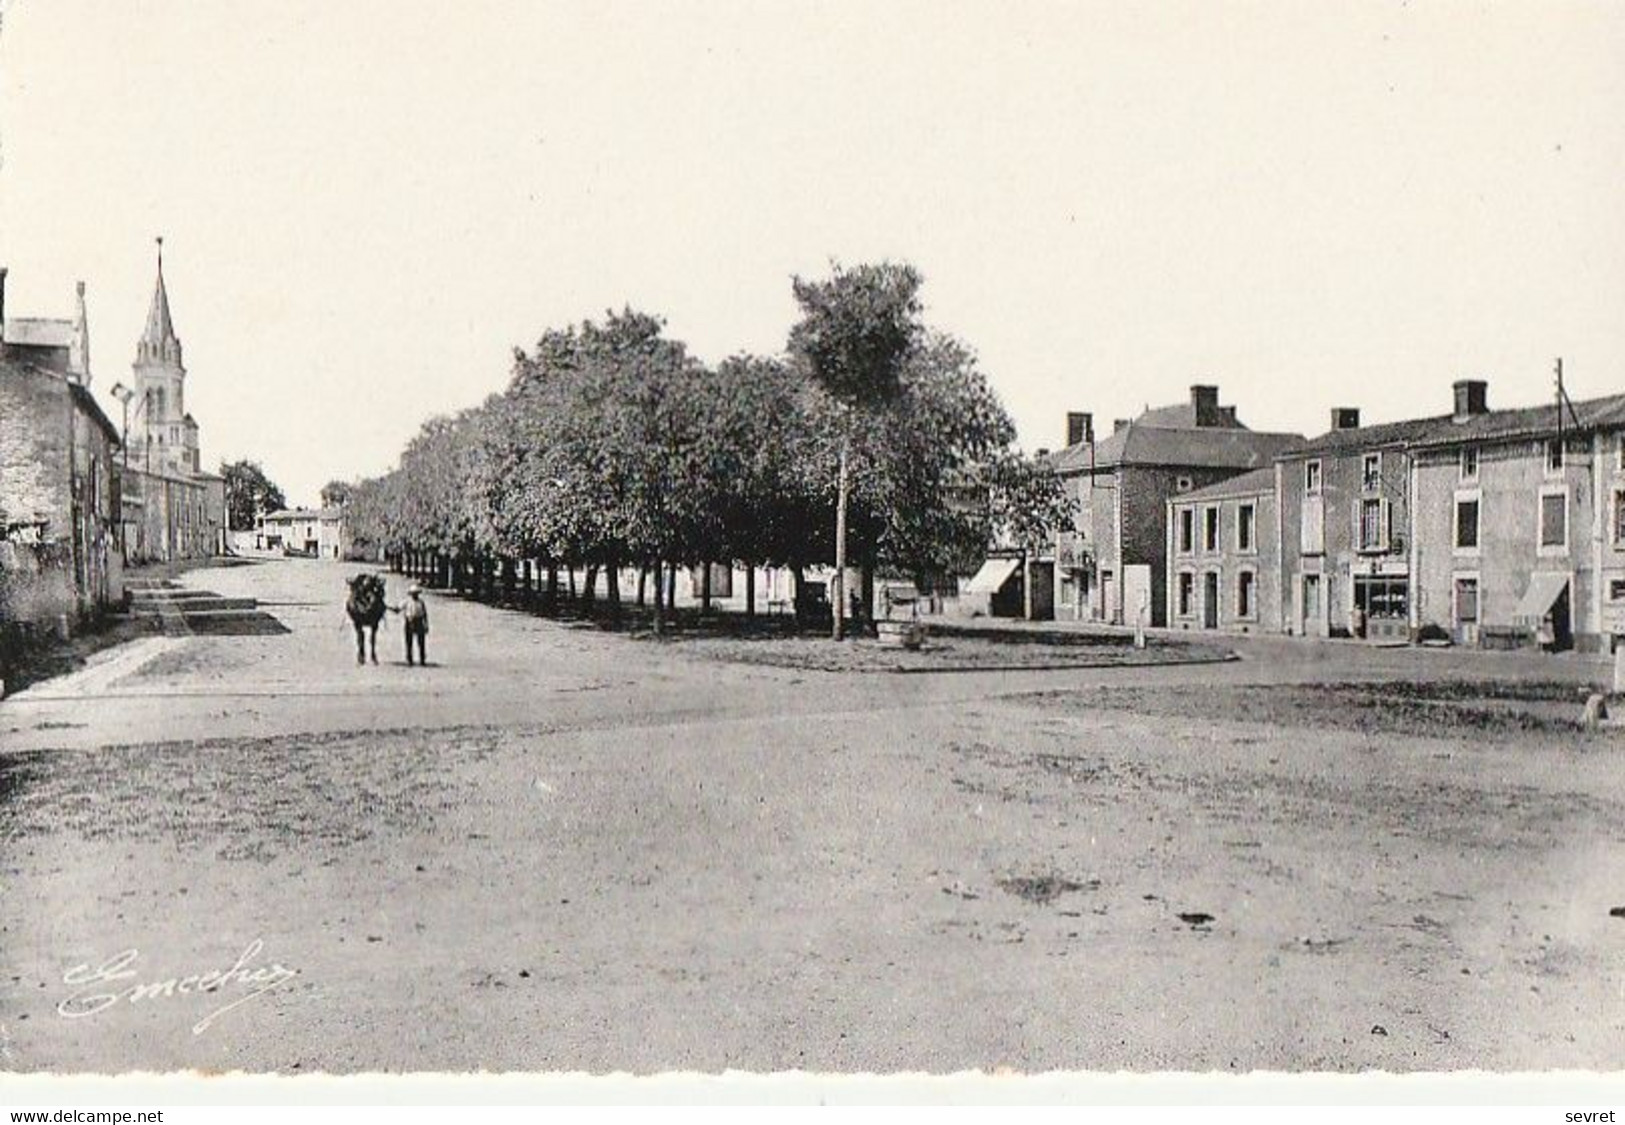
x: 1244, y: 594
x: 1187, y: 594
x: 1382, y: 597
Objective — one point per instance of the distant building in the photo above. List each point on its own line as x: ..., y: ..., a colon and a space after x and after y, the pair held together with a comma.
x: 1113, y: 563
x: 318, y: 533
x: 1224, y: 556
x: 172, y: 508
x: 59, y: 538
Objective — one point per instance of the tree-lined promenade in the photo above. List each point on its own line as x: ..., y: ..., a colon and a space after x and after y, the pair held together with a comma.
x: 875, y: 441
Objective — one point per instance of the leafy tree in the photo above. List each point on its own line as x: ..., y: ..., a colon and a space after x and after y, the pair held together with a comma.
x: 249, y: 494
x: 856, y: 329
x: 337, y: 493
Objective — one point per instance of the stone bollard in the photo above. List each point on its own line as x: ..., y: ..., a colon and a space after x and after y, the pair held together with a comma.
x: 1596, y: 711
x: 1619, y: 666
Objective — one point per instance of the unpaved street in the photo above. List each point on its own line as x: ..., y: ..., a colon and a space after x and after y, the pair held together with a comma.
x: 561, y: 849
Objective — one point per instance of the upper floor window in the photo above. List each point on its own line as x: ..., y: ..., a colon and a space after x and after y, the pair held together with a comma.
x: 1187, y: 529
x: 1311, y: 477
x: 1554, y: 455
x: 1373, y: 527
x: 1371, y: 472
x: 1210, y: 529
x: 1246, y: 521
x: 1469, y: 462
x: 1554, y: 521
x: 1467, y: 523
x: 1619, y: 517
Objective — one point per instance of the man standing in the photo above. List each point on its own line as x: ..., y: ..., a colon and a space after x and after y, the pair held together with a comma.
x: 415, y: 615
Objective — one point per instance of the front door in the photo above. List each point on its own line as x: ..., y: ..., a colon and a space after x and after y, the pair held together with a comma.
x: 1108, y: 598
x: 1210, y: 600
x: 1312, y: 623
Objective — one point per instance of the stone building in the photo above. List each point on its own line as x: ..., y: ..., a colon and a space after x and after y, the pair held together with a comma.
x: 1520, y: 526
x: 1113, y: 564
x: 60, y: 562
x: 316, y: 532
x: 172, y: 509
x: 1345, y: 527
x: 1224, y: 556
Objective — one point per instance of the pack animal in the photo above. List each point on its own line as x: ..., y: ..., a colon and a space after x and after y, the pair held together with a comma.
x: 365, y: 606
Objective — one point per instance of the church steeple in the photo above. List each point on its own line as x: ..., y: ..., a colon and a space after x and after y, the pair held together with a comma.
x: 159, y: 344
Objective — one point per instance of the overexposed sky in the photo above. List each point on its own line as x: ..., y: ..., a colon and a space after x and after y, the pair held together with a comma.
x: 366, y: 206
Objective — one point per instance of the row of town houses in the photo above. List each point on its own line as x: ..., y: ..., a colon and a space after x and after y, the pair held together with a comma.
x: 1476, y: 526
x: 82, y: 495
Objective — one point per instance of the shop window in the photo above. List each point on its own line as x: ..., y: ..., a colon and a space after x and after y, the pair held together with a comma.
x: 1381, y: 597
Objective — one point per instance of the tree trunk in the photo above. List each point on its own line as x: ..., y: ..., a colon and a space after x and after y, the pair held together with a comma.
x: 589, y: 587
x: 509, y: 579
x: 671, y: 588
x: 570, y: 573
x: 612, y: 587
x: 705, y: 588
x: 552, y: 586
x: 750, y: 591
x: 660, y: 608
x: 867, y: 613
x: 643, y: 583
x: 838, y: 586
x: 798, y: 600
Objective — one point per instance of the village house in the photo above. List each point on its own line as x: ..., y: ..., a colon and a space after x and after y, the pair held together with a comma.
x: 1112, y: 567
x: 60, y: 562
x: 1520, y: 525
x: 317, y: 533
x: 1344, y: 499
x: 1224, y: 556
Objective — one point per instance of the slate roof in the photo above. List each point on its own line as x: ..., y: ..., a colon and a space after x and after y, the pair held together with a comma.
x: 305, y: 514
x: 1494, y: 425
x: 1206, y: 447
x: 1248, y: 484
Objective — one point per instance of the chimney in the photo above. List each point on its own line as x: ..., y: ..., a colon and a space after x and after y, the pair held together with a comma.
x: 1205, y: 399
x: 1471, y: 398
x: 1080, y: 427
x: 1345, y: 417
x: 1119, y: 425
x: 1041, y: 454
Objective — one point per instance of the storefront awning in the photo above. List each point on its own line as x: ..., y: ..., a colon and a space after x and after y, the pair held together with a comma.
x: 1544, y: 589
x: 992, y: 577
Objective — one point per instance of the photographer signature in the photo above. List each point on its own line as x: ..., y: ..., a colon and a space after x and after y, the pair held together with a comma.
x: 100, y: 986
